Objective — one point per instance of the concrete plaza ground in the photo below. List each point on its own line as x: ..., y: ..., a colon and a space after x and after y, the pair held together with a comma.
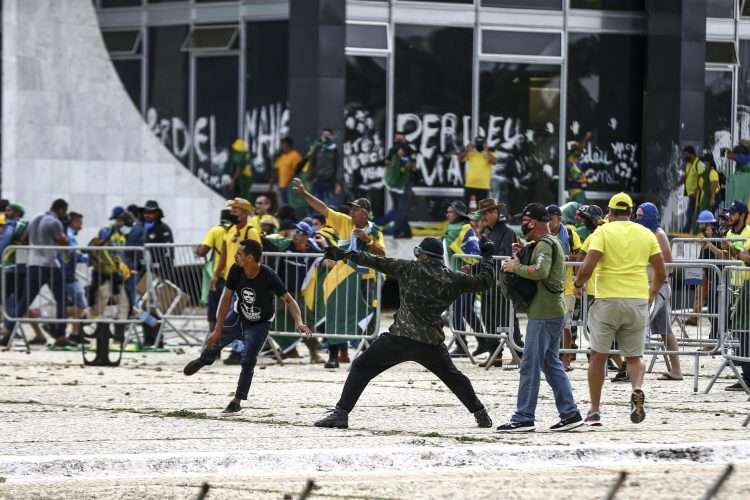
x: 143, y: 430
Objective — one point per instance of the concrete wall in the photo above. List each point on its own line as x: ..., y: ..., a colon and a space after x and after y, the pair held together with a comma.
x: 70, y: 130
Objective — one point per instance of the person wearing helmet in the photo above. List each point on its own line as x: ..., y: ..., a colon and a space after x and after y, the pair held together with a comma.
x: 590, y: 217
x: 426, y: 289
x: 709, y: 250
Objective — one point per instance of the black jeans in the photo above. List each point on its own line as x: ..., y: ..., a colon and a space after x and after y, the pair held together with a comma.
x: 36, y: 278
x: 253, y: 336
x: 401, y: 214
x: 390, y: 350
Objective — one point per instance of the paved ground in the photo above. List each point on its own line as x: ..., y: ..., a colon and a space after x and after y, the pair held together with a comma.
x: 143, y: 430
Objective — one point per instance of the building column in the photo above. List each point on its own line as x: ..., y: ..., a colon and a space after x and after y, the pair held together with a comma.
x: 317, y: 69
x: 675, y: 89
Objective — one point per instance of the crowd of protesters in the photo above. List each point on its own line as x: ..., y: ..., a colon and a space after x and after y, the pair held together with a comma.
x: 113, y: 272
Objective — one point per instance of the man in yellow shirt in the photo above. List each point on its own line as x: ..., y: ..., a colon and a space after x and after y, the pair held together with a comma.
x: 263, y: 210
x: 284, y: 168
x: 739, y: 231
x: 213, y: 242
x: 356, y: 233
x: 694, y: 168
x: 240, y: 209
x: 621, y: 251
x: 479, y: 162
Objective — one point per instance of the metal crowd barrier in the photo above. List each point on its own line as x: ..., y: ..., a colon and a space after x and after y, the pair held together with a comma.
x: 86, y: 291
x: 692, y: 249
x: 694, y: 315
x: 339, y: 301
x: 735, y: 345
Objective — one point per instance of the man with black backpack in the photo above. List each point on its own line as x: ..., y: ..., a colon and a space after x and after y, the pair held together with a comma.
x: 546, y: 313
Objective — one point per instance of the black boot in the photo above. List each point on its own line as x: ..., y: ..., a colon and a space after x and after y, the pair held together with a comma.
x: 338, y: 418
x: 483, y: 418
x: 234, y: 358
x: 193, y: 367
x: 333, y: 357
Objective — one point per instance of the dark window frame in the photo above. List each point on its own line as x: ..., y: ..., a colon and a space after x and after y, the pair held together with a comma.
x: 541, y: 57
x: 188, y: 44
x: 137, y: 45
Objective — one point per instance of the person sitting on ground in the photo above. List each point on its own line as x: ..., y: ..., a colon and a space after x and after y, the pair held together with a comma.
x: 427, y: 288
x: 254, y: 286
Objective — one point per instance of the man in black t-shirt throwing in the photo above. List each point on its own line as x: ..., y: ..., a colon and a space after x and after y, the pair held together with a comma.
x: 254, y: 285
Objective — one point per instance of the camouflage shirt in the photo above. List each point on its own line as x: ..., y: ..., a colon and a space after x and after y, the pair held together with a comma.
x: 426, y: 289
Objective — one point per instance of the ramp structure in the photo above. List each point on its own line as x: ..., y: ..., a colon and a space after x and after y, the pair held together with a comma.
x: 70, y: 130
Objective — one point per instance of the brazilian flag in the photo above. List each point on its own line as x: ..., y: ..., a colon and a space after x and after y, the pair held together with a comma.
x: 346, y: 308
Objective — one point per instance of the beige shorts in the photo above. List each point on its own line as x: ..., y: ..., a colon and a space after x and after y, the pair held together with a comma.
x: 623, y: 320
x: 570, y: 306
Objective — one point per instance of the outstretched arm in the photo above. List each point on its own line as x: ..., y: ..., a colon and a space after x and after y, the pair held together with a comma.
x: 391, y: 267
x: 466, y: 283
x: 311, y: 200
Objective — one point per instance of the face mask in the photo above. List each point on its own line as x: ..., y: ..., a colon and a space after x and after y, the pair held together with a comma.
x: 525, y: 229
x: 125, y: 230
x: 148, y: 225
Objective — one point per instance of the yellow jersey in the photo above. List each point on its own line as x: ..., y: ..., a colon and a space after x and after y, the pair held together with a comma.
x: 478, y: 170
x: 344, y: 226
x: 626, y: 248
x: 232, y: 239
x: 214, y: 239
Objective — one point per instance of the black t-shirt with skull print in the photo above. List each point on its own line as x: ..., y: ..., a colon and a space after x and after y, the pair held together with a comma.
x: 255, y: 297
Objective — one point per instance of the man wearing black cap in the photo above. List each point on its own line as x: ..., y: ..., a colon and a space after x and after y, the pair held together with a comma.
x: 426, y: 288
x: 545, y: 327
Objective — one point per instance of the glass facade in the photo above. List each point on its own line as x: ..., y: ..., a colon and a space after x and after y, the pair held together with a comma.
x: 519, y: 114
x: 216, y: 111
x: 266, y: 118
x: 432, y: 101
x: 718, y: 112
x: 606, y: 81
x: 168, y: 90
x: 441, y: 85
x: 364, y: 144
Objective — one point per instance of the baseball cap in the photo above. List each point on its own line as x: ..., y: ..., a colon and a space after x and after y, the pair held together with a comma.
x: 620, y: 201
x: 535, y: 211
x: 362, y: 203
x: 554, y: 210
x: 116, y: 212
x: 305, y: 228
x: 737, y: 207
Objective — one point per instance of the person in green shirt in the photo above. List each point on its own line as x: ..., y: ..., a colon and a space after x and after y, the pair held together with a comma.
x: 399, y: 165
x: 545, y: 327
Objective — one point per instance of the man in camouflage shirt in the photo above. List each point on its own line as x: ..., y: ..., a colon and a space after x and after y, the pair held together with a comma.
x: 426, y: 289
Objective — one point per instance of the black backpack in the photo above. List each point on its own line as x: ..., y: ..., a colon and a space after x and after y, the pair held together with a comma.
x: 521, y: 291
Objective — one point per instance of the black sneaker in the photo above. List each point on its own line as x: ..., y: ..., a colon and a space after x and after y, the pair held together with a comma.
x: 517, y: 427
x: 736, y: 387
x: 622, y: 376
x: 332, y: 363
x: 637, y: 412
x: 483, y: 418
x: 233, y: 359
x: 593, y: 419
x: 567, y: 424
x: 231, y: 410
x: 193, y: 367
x: 338, y: 419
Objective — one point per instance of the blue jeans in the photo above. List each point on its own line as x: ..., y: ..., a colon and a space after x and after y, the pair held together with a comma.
x: 690, y: 216
x: 253, y: 337
x: 542, y: 354
x: 401, y: 214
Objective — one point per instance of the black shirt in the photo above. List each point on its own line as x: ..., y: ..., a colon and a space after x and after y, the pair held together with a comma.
x: 503, y: 237
x: 255, y: 296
